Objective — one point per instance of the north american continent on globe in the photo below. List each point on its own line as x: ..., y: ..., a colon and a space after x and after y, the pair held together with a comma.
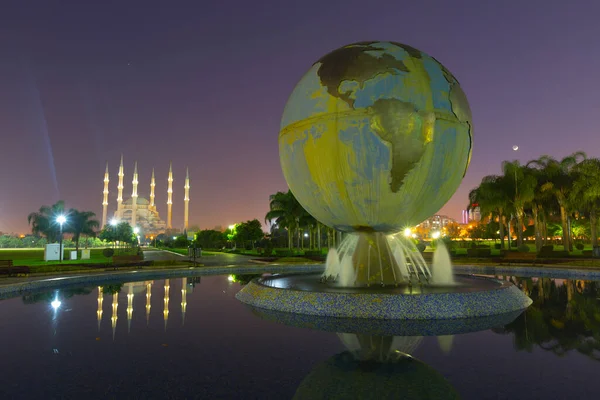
x: 376, y: 136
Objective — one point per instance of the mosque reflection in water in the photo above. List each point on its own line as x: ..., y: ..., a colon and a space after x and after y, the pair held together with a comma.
x: 564, y: 316
x: 110, y: 292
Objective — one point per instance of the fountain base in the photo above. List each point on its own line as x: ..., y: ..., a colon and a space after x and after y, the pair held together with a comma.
x: 303, y: 294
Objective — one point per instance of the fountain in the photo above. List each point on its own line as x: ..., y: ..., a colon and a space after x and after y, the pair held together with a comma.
x: 376, y: 137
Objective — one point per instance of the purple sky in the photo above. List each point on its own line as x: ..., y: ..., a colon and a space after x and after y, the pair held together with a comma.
x: 204, y: 85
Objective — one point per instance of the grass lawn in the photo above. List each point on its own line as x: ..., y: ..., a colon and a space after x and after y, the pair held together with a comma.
x: 35, y: 258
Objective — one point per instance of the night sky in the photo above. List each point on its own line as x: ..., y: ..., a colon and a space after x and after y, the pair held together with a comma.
x: 204, y: 83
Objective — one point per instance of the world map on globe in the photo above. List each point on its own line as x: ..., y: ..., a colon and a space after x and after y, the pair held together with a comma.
x: 376, y: 136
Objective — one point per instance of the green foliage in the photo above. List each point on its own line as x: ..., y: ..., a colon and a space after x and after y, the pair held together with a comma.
x: 523, y: 248
x: 266, y: 248
x: 421, y: 247
x: 479, y: 252
x: 249, y: 231
x: 81, y: 223
x: 579, y: 246
x: 43, y: 222
x: 108, y: 252
x: 284, y: 253
x: 210, y: 239
x: 181, y: 242
x: 313, y: 253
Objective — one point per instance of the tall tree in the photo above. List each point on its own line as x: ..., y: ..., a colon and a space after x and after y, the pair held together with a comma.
x: 43, y: 222
x: 521, y: 190
x: 81, y: 223
x: 492, y: 197
x: 557, y: 180
x: 585, y: 193
x: 249, y: 231
x: 286, y: 211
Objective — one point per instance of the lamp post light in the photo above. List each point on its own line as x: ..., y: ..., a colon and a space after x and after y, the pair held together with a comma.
x: 114, y: 223
x: 61, y: 219
x: 136, y: 230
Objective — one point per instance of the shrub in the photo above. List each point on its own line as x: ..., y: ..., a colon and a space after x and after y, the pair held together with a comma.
x: 579, y: 246
x: 497, y: 246
x: 312, y: 253
x: 479, y: 252
x: 108, y: 252
x: 284, y: 253
x: 421, y: 247
x: 523, y: 248
x: 513, y: 243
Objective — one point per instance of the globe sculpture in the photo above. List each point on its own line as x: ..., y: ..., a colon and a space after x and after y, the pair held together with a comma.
x: 376, y: 137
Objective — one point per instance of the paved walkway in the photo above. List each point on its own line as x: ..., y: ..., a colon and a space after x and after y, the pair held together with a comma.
x: 160, y: 255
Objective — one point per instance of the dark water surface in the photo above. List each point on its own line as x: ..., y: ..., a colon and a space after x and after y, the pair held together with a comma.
x: 222, y: 350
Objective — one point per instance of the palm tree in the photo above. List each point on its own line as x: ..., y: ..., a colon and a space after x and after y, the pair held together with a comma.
x: 43, y: 221
x: 540, y: 207
x: 491, y: 196
x: 585, y: 193
x: 82, y: 223
x: 521, y: 191
x: 286, y: 211
x: 558, y: 181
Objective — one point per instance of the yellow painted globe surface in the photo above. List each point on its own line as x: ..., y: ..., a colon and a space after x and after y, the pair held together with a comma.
x: 376, y: 136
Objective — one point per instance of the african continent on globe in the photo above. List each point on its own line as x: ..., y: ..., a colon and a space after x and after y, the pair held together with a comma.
x: 375, y: 137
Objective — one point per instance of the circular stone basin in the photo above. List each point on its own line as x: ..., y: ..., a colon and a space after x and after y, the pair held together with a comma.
x: 304, y: 294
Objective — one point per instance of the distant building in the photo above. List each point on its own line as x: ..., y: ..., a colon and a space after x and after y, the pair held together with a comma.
x: 147, y: 217
x: 140, y: 212
x: 474, y: 215
x: 437, y: 222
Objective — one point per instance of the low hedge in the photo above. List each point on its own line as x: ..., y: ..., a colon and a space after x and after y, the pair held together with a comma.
x: 487, y: 252
x: 284, y: 253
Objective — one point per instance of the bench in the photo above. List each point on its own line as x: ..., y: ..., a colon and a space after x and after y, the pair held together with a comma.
x: 7, y: 268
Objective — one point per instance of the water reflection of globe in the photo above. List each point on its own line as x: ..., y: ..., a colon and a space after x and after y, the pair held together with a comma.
x: 375, y: 137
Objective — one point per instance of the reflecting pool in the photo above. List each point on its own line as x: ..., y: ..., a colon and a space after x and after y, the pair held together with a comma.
x: 190, y: 338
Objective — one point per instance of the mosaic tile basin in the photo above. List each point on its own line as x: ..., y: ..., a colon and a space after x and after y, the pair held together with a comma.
x: 303, y: 294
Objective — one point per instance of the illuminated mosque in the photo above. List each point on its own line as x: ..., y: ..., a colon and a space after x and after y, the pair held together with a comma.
x: 140, y: 212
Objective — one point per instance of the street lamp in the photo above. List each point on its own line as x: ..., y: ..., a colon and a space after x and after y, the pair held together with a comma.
x: 61, y: 219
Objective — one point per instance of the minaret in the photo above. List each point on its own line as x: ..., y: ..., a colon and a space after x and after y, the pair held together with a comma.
x: 166, y: 301
x: 113, y: 318
x: 152, y: 185
x: 148, y: 296
x: 183, y: 299
x: 134, y: 196
x: 120, y: 192
x: 170, y: 197
x: 129, y: 306
x: 100, y: 300
x: 186, y: 199
x: 105, y: 197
